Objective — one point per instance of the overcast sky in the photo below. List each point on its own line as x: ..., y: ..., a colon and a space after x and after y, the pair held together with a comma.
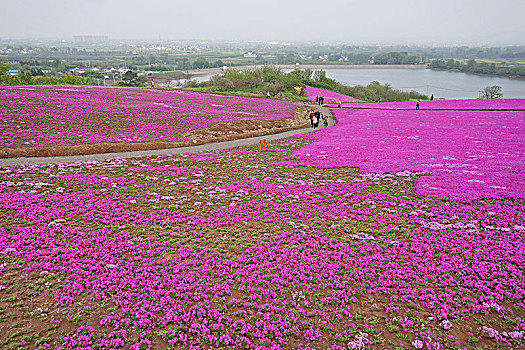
x: 443, y: 21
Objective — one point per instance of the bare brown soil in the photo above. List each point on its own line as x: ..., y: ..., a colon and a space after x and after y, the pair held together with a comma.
x: 219, y: 132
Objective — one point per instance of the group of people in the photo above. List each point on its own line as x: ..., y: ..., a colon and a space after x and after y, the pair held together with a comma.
x: 317, y: 117
x: 319, y: 100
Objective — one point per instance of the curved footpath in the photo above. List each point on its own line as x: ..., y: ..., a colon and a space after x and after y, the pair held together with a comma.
x: 193, y: 149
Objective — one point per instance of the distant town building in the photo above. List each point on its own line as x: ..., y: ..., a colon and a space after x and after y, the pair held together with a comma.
x: 89, y: 38
x: 79, y: 70
x: 12, y: 72
x: 250, y: 54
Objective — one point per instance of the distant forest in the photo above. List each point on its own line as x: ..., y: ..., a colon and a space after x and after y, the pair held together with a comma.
x: 471, y: 66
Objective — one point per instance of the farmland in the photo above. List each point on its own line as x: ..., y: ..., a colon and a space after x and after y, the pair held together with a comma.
x: 367, y: 234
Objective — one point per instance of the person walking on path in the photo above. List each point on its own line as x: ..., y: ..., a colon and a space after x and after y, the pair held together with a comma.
x: 316, y: 121
x: 316, y: 100
x: 312, y: 114
x: 432, y: 97
x: 380, y: 99
x: 268, y: 95
x: 417, y: 104
x: 325, y: 121
x: 339, y: 103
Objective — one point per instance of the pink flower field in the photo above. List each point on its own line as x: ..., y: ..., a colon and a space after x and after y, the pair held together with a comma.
x: 69, y: 115
x: 329, y: 96
x: 476, y: 105
x: 366, y: 235
x: 466, y: 154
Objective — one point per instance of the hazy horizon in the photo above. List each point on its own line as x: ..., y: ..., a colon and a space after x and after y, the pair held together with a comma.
x: 383, y: 21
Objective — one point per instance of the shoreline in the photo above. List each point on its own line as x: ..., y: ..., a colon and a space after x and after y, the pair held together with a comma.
x: 513, y: 77
x: 206, y: 71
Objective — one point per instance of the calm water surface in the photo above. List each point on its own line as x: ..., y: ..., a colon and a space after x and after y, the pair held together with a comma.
x: 442, y: 84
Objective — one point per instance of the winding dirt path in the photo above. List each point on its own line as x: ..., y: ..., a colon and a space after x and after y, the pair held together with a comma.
x: 6, y: 162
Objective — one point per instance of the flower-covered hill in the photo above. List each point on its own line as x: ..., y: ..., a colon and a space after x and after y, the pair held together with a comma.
x: 329, y: 96
x: 476, y: 105
x: 421, y: 247
x: 226, y: 249
x: 74, y: 115
x: 466, y: 154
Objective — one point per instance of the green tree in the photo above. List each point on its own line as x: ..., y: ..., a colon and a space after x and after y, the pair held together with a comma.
x: 131, y: 78
x: 471, y: 64
x: 35, y: 71
x: 270, y: 74
x: 4, y: 66
x: 201, y: 63
x: 493, y: 91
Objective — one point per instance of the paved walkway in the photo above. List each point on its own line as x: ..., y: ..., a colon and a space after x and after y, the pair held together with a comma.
x: 178, y: 150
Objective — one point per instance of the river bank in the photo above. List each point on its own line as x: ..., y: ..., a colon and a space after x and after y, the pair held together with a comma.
x: 207, y: 71
x: 479, y: 74
x: 441, y: 83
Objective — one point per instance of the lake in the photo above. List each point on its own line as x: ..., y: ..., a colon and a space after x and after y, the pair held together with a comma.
x: 443, y: 84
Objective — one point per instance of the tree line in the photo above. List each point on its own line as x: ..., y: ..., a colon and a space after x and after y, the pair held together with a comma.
x: 27, y: 78
x: 472, y: 66
x: 274, y: 80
